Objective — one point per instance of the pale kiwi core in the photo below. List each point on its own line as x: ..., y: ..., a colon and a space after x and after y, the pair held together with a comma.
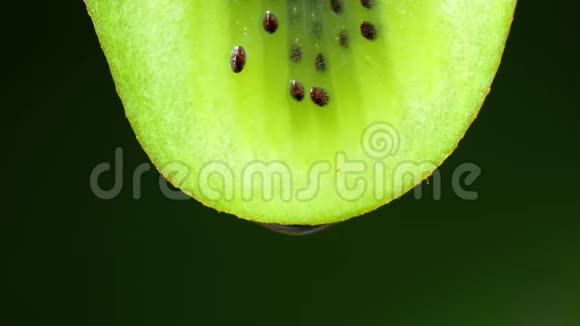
x: 301, y: 112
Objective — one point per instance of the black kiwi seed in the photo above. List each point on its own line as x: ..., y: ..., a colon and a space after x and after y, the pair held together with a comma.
x: 367, y: 3
x: 296, y: 90
x: 319, y: 96
x: 238, y: 59
x: 336, y: 6
x: 320, y: 62
x: 343, y: 39
x: 368, y: 30
x: 270, y: 22
x: 296, y: 53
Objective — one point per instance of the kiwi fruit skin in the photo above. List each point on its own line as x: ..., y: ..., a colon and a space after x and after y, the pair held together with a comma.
x: 425, y: 78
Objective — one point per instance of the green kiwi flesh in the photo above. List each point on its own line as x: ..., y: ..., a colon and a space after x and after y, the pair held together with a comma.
x: 387, y: 90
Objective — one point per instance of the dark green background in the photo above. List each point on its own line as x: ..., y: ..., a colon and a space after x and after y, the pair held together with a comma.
x: 512, y: 257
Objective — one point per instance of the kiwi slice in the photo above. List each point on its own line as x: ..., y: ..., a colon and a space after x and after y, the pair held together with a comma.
x: 300, y: 112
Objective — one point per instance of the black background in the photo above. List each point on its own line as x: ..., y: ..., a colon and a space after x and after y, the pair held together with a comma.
x: 512, y: 257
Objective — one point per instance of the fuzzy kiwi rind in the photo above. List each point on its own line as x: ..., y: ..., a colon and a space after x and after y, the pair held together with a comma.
x: 426, y: 75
